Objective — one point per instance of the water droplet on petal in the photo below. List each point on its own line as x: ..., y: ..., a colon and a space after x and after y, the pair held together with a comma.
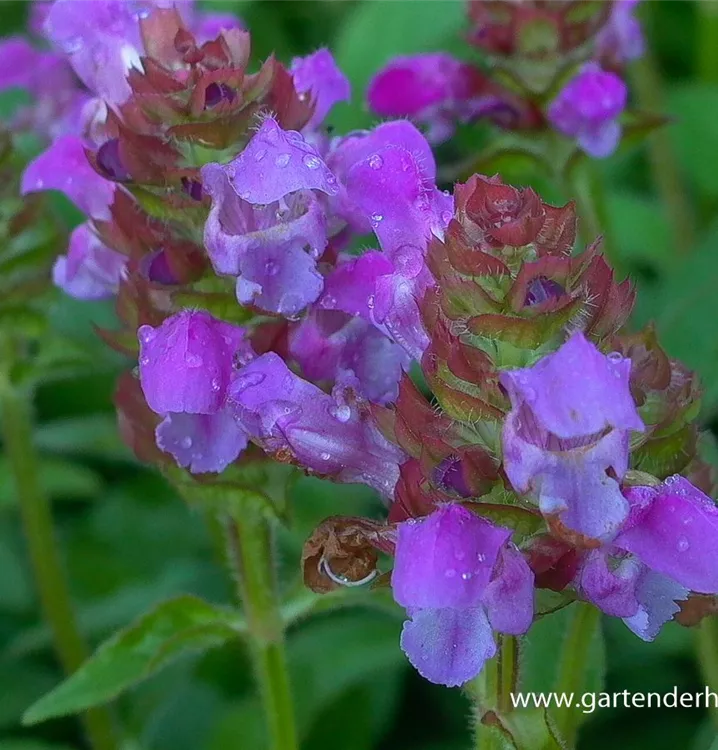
x: 193, y: 360
x: 342, y: 413
x: 144, y: 360
x: 371, y: 301
x: 466, y: 576
x: 282, y: 160
x: 376, y: 218
x: 450, y: 573
x: 325, y: 456
x: 683, y: 544
x: 311, y: 161
x: 216, y: 385
x: 375, y: 161
x: 146, y: 334
x: 260, y: 154
x: 186, y: 442
x: 615, y: 357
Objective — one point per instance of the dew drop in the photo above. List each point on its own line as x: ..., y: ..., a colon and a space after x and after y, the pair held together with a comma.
x: 329, y: 302
x: 375, y: 161
x: 271, y: 268
x: 282, y: 160
x: 342, y: 413
x: 260, y: 154
x: 216, y: 385
x: 481, y: 557
x: 466, y: 576
x: 244, y: 195
x: 193, y: 360
x: 144, y: 360
x: 325, y: 456
x: 376, y: 218
x: 683, y: 544
x: 615, y: 357
x: 450, y: 573
x: 371, y: 301
x: 311, y: 161
x: 146, y: 334
x: 186, y: 442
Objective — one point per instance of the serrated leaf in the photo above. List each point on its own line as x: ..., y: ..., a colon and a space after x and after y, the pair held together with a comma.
x: 174, y: 628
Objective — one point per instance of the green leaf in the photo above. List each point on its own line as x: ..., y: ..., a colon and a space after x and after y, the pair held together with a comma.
x: 91, y: 436
x: 684, y: 305
x: 694, y: 132
x: 175, y: 628
x: 60, y: 480
x: 377, y: 31
x: 28, y: 744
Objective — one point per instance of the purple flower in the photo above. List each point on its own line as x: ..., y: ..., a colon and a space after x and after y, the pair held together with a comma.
x: 186, y: 363
x: 202, y: 442
x: 64, y: 167
x: 57, y: 101
x: 276, y: 163
x: 434, y: 89
x: 319, y: 76
x: 588, y: 108
x: 621, y: 39
x: 101, y: 40
x: 90, y: 270
x: 265, y: 212
x: 459, y: 579
x: 565, y: 440
x: 329, y: 435
x: 335, y: 347
x: 664, y: 550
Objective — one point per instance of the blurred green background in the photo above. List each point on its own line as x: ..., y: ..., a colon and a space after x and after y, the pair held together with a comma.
x: 130, y: 542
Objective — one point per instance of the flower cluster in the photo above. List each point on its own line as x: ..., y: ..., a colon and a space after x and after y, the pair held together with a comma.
x: 563, y: 61
x: 555, y: 451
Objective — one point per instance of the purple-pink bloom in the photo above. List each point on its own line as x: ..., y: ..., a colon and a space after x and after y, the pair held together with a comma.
x: 459, y: 579
x: 64, y: 167
x: 588, y: 108
x: 319, y: 76
x: 664, y: 550
x: 338, y: 348
x: 202, y: 442
x: 330, y: 435
x: 434, y: 89
x: 187, y: 362
x: 621, y: 39
x: 265, y: 214
x: 90, y: 270
x: 101, y: 40
x: 276, y: 163
x: 565, y: 440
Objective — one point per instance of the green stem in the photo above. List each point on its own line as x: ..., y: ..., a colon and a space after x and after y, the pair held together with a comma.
x: 491, y: 695
x: 249, y: 540
x: 707, y: 646
x: 582, y: 630
x: 666, y: 172
x: 585, y: 187
x: 707, y: 48
x: 45, y: 558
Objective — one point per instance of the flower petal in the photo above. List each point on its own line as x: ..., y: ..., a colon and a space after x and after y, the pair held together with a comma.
x: 657, y: 596
x: 509, y: 597
x: 276, y: 163
x: 448, y: 646
x: 202, y: 442
x: 673, y: 529
x: 318, y: 74
x: 445, y: 559
x: 64, y: 167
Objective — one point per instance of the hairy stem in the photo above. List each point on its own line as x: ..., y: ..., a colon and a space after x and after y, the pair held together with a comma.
x: 707, y: 647
x: 249, y: 540
x: 582, y: 630
x: 45, y: 558
x: 491, y: 695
